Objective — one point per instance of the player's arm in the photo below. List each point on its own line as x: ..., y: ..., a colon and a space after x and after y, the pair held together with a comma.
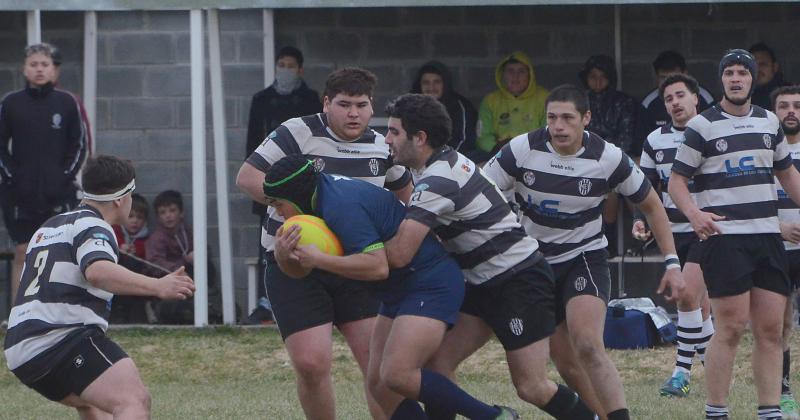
x: 657, y: 219
x: 114, y: 278
x: 251, y: 180
x: 404, y: 194
x: 369, y: 265
x: 400, y: 250
x: 790, y: 181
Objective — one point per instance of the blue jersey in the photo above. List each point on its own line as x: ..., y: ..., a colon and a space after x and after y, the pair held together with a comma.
x: 364, y: 216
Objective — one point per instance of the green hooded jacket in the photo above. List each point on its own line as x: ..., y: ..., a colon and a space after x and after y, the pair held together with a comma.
x: 503, y: 116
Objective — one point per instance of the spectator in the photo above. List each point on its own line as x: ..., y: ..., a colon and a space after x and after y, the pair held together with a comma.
x: 435, y: 79
x: 131, y: 237
x: 613, y: 112
x: 170, y: 247
x: 47, y: 144
x: 613, y: 118
x: 516, y: 107
x: 287, y: 97
x: 770, y: 76
x: 666, y: 63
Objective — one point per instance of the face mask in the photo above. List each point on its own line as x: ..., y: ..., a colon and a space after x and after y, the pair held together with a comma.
x: 286, y: 80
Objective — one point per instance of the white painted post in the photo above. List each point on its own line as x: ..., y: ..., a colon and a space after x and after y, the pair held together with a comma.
x: 220, y: 169
x: 269, y: 46
x: 34, y: 26
x: 199, y: 170
x: 90, y: 71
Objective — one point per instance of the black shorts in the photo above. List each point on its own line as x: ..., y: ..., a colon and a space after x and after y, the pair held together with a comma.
x: 90, y: 355
x: 793, y: 258
x: 520, y: 310
x: 685, y: 244
x: 22, y: 224
x: 734, y: 264
x: 319, y: 298
x: 586, y: 274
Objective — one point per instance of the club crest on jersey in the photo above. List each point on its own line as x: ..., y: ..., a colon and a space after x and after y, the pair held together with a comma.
x: 466, y: 168
x: 374, y: 167
x: 580, y: 283
x: 319, y: 164
x: 659, y: 156
x: 516, y: 326
x: 767, y: 141
x: 39, y: 237
x: 584, y: 186
x: 528, y: 178
x: 721, y: 145
x: 56, y: 121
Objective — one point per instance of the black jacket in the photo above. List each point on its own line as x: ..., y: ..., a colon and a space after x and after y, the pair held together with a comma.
x: 48, y: 144
x: 462, y: 113
x: 269, y: 109
x: 761, y: 93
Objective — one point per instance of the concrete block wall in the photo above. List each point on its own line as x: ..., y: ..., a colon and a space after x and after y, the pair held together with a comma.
x: 144, y: 109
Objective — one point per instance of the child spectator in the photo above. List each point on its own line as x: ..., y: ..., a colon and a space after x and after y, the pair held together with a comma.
x: 131, y: 239
x: 171, y: 247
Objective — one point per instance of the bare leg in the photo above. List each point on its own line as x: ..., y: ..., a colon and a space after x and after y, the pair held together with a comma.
x: 468, y: 335
x: 528, y: 367
x: 766, y: 311
x: 566, y: 360
x: 310, y: 351
x: 585, y: 323
x: 731, y: 315
x: 357, y: 334
x: 387, y: 399
x: 119, y: 391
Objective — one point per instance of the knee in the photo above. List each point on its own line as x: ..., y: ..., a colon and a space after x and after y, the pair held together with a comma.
x: 770, y: 333
x: 534, y: 391
x: 729, y: 333
x: 590, y: 352
x: 135, y: 400
x: 311, y: 368
x: 399, y: 379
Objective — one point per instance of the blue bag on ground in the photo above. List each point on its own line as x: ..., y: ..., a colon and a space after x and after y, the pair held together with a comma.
x: 637, y: 323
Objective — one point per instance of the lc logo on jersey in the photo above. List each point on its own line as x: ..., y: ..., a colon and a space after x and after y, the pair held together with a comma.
x: 744, y: 164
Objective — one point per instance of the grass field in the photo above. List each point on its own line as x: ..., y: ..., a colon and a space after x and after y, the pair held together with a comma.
x: 244, y: 373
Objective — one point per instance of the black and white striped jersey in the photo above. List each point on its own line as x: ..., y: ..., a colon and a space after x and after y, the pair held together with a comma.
x: 658, y: 154
x: 366, y: 158
x: 788, y: 211
x: 561, y: 197
x: 54, y: 299
x: 471, y: 216
x: 731, y: 161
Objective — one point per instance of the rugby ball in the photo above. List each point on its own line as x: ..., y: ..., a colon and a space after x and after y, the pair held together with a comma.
x: 313, y: 230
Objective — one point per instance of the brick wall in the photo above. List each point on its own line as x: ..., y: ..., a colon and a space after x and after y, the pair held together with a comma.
x: 143, y: 107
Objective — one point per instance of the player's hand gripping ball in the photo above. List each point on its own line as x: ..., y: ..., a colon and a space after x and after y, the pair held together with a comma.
x: 313, y: 230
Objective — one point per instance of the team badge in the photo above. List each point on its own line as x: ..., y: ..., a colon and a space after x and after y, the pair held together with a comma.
x: 722, y: 145
x: 319, y: 164
x: 580, y: 283
x: 78, y: 362
x: 767, y: 141
x: 56, y: 121
x: 516, y: 326
x: 659, y: 156
x: 373, y: 166
x: 528, y: 178
x: 584, y: 186
x: 466, y: 168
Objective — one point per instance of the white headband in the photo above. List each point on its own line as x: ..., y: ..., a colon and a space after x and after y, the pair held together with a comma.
x: 113, y: 196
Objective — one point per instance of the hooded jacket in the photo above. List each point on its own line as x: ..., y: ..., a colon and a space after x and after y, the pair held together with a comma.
x: 614, y: 114
x: 462, y: 113
x: 504, y: 116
